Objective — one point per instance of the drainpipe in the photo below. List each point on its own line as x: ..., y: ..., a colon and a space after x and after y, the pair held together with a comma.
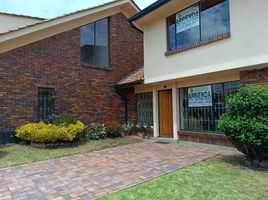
x: 119, y: 88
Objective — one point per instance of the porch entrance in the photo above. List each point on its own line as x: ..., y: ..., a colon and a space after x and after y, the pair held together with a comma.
x: 165, y: 114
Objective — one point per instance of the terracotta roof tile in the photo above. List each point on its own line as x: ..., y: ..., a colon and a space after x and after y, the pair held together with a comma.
x: 135, y: 77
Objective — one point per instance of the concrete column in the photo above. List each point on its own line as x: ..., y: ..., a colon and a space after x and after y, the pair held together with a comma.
x: 155, y: 113
x: 175, y: 104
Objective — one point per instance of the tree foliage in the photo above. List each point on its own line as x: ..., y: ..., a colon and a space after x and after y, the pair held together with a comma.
x: 246, y: 121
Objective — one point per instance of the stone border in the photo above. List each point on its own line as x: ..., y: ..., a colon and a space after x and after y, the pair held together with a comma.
x: 53, y: 145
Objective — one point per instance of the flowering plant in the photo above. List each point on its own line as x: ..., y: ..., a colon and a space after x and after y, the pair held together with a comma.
x: 112, y: 128
x: 95, y: 132
x: 103, y: 129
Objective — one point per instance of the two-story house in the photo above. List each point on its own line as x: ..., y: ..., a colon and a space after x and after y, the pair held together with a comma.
x: 67, y: 64
x: 196, y: 54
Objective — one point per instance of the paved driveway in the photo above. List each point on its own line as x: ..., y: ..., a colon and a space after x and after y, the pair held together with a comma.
x: 87, y: 176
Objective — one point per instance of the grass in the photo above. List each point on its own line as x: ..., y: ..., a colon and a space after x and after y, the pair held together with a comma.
x: 221, y: 178
x: 20, y: 154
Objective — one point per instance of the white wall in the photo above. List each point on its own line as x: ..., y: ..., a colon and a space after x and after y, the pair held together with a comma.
x: 10, y: 22
x: 248, y: 45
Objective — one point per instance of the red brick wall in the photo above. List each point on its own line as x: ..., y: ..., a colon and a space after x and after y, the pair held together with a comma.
x: 83, y: 91
x: 129, y: 94
x: 259, y: 76
x: 207, y: 138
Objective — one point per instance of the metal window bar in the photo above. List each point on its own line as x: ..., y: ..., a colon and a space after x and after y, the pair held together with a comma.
x: 46, y: 103
x: 145, y: 108
x: 205, y: 119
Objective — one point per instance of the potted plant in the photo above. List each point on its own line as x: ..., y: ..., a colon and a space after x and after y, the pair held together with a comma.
x: 144, y: 126
x: 138, y: 126
x: 128, y: 127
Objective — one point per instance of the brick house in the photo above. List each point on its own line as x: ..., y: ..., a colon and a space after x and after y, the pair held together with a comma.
x: 68, y: 64
x: 92, y: 64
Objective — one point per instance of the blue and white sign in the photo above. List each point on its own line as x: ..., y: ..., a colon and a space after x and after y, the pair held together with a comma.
x: 187, y: 19
x: 200, y: 96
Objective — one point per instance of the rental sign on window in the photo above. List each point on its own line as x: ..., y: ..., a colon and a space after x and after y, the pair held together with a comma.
x: 200, y: 96
x: 187, y: 19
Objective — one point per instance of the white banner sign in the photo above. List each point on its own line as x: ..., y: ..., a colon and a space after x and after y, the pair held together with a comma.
x: 200, y: 96
x: 187, y: 19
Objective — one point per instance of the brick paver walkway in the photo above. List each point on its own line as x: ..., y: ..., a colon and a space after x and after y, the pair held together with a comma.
x: 87, y: 176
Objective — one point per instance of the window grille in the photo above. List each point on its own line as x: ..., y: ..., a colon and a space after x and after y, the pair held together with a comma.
x: 145, y: 109
x: 46, y: 103
x: 205, y: 119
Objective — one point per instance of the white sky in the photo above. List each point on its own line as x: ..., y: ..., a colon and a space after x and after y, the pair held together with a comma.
x: 53, y: 8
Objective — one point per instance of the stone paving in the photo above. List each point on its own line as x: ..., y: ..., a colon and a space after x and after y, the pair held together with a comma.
x: 91, y: 175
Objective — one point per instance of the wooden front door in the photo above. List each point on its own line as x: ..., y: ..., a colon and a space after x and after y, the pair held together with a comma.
x: 165, y: 113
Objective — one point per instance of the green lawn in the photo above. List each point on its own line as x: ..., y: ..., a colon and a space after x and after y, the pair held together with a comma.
x: 18, y: 154
x: 217, y: 179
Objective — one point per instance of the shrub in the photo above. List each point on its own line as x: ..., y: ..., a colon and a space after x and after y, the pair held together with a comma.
x: 246, y: 121
x: 65, y: 119
x: 112, y: 128
x: 95, y: 132
x: 101, y: 130
x: 49, y: 133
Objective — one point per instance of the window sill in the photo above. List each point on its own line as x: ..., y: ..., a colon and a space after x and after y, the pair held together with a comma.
x: 198, y: 44
x: 96, y: 67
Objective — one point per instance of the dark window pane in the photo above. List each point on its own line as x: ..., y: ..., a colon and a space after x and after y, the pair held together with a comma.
x: 101, y: 56
x: 219, y: 103
x: 188, y: 37
x: 187, y: 26
x: 94, y: 43
x: 231, y: 88
x: 172, y: 32
x: 46, y: 102
x: 215, y: 18
x: 184, y: 109
x: 87, y: 43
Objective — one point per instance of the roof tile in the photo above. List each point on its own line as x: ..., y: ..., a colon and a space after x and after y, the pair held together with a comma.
x: 135, y: 77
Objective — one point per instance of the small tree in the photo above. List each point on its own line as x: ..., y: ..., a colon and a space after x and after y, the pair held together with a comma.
x: 246, y: 121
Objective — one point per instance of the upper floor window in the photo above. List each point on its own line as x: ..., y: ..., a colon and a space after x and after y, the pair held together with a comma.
x: 204, y: 20
x: 94, y: 43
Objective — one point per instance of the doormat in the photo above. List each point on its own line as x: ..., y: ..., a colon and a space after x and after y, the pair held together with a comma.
x: 162, y: 142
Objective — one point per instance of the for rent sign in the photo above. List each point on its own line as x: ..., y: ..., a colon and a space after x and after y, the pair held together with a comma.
x: 187, y: 19
x: 200, y: 96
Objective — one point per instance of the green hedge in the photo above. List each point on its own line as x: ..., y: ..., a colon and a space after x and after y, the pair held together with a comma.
x: 246, y: 121
x: 49, y: 133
